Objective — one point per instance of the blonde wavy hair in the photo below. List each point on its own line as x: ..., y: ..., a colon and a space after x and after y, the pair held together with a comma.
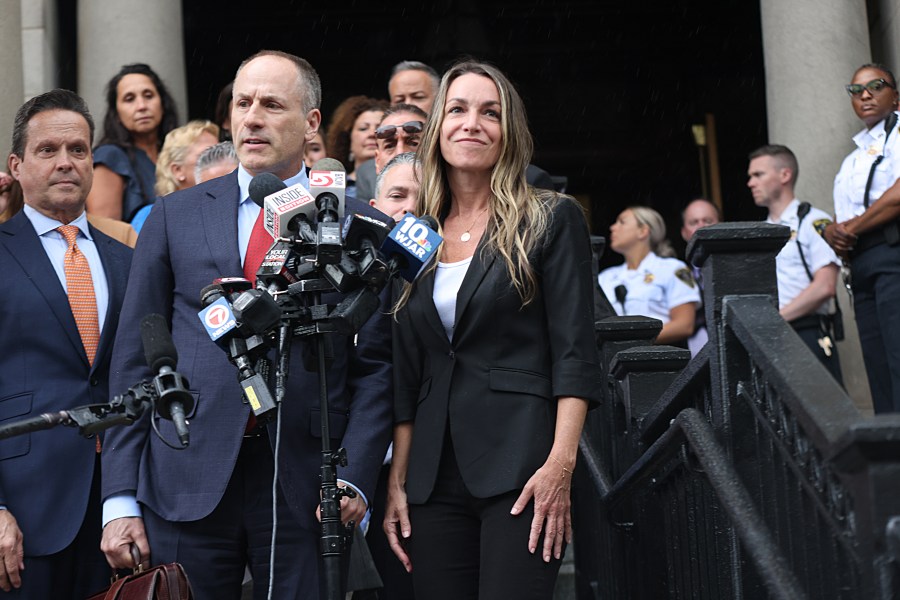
x: 175, y: 149
x: 518, y: 214
x: 646, y: 216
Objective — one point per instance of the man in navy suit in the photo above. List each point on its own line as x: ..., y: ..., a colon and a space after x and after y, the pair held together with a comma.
x: 53, y: 358
x: 209, y: 506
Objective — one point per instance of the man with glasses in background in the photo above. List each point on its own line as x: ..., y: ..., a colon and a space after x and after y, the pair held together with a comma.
x: 866, y: 232
x: 399, y: 132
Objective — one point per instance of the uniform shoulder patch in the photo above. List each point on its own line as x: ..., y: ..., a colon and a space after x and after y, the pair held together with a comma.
x: 686, y: 276
x: 820, y: 224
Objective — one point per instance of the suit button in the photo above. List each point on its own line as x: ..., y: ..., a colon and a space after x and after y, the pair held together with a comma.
x: 95, y: 381
x: 451, y: 354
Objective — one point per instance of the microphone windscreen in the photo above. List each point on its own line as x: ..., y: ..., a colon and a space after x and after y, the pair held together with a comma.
x: 430, y: 221
x: 621, y: 291
x: 211, y: 293
x: 328, y: 164
x: 159, y: 349
x: 264, y: 184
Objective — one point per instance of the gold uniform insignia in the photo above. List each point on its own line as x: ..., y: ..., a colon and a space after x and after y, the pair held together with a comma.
x: 685, y: 276
x: 648, y: 277
x: 820, y: 224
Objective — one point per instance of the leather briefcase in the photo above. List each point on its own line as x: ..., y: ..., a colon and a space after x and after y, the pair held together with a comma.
x: 164, y: 582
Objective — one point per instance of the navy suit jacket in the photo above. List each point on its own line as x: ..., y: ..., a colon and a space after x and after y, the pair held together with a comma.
x: 496, y: 383
x: 189, y: 239
x: 45, y: 477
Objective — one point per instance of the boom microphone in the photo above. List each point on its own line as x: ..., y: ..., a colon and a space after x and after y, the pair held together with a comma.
x: 174, y: 398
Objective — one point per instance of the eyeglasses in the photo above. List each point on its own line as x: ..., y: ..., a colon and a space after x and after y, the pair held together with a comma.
x: 386, y: 132
x: 874, y: 86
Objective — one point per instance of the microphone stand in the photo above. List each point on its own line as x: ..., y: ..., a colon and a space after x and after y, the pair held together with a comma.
x: 335, y: 538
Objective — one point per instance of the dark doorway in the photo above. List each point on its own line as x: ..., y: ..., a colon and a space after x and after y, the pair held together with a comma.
x: 612, y: 88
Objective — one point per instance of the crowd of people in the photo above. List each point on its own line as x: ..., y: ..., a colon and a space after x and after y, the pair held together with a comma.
x: 460, y: 403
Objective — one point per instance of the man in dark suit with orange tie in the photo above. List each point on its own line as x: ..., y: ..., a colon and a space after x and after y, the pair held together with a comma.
x: 64, y: 283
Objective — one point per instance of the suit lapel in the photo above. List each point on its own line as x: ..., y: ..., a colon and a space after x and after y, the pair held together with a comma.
x: 116, y: 277
x: 219, y: 207
x: 25, y: 246
x: 478, y: 268
x: 425, y: 291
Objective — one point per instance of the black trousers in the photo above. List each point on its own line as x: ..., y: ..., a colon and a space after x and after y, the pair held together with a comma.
x: 810, y: 336
x: 77, y: 571
x: 467, y: 548
x: 876, y: 299
x: 215, y: 550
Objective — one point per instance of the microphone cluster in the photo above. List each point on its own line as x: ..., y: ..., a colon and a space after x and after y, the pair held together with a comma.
x: 317, y: 249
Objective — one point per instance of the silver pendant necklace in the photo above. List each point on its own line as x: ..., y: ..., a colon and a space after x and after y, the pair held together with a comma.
x: 466, y: 236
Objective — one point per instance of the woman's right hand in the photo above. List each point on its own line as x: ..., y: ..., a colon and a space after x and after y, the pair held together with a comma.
x: 397, y: 527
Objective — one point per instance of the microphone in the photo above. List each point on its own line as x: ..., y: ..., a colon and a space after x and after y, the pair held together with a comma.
x: 621, y: 291
x: 239, y: 319
x: 327, y: 183
x: 412, y: 245
x: 173, y: 397
x: 276, y: 272
x: 364, y: 236
x: 288, y: 210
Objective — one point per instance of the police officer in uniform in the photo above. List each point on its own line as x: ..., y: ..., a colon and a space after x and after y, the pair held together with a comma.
x: 650, y: 282
x: 806, y: 268
x: 866, y: 233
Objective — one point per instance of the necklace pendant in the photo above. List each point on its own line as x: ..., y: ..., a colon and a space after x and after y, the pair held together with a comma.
x: 465, y: 237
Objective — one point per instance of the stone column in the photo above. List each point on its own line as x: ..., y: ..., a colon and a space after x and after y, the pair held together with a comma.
x: 811, y: 48
x: 886, y: 30
x: 11, y: 91
x: 112, y: 33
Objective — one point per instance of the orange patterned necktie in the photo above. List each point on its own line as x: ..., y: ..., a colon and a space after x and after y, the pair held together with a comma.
x: 80, y: 288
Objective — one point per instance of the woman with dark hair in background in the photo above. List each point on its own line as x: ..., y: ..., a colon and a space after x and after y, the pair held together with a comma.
x: 496, y: 359
x: 650, y: 282
x: 222, y: 116
x: 351, y: 134
x: 139, y: 114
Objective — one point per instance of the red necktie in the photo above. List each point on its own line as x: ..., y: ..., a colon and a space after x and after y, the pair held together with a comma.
x: 259, y: 244
x: 80, y: 288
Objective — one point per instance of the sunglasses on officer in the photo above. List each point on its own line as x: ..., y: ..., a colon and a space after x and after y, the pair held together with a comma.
x: 874, y: 86
x: 386, y: 132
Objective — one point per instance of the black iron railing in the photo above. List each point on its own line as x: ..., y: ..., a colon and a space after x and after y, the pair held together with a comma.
x: 743, y: 473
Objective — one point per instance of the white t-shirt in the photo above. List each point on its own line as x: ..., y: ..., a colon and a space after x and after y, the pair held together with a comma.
x: 448, y: 278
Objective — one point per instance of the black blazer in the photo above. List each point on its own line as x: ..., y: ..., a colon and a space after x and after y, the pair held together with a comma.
x: 495, y: 385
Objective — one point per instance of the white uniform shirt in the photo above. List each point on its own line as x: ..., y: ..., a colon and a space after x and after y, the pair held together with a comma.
x: 789, y: 271
x: 850, y: 182
x: 655, y: 287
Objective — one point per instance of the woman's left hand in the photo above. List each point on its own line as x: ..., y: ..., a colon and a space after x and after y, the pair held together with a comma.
x: 550, y: 487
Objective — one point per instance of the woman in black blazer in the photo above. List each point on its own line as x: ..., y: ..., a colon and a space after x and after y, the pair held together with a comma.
x: 495, y: 359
